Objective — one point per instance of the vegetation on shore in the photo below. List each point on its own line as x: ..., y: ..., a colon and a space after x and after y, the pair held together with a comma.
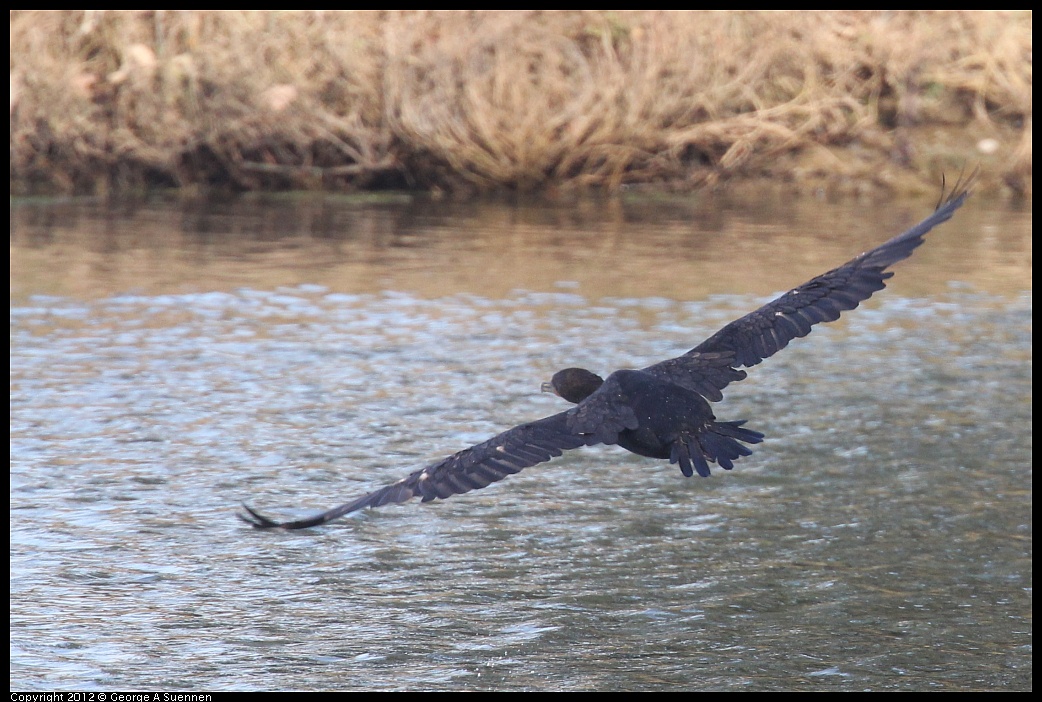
x: 107, y: 102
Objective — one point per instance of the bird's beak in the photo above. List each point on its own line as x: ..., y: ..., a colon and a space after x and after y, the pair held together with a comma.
x: 549, y: 387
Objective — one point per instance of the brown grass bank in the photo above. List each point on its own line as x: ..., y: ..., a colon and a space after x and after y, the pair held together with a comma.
x: 110, y: 101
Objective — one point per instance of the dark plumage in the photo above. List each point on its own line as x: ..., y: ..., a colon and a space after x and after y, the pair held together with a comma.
x: 661, y: 411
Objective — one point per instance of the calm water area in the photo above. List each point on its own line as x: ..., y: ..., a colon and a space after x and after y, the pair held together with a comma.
x: 172, y: 360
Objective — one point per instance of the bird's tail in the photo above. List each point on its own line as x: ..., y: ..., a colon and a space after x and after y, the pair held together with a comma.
x: 717, y: 442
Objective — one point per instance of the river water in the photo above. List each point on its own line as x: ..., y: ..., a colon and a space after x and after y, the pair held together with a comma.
x: 171, y: 360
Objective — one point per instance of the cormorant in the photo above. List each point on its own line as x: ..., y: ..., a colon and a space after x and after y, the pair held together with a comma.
x: 661, y: 411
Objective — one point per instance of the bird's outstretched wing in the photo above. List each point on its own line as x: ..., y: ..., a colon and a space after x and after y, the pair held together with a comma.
x: 712, y: 365
x: 473, y: 468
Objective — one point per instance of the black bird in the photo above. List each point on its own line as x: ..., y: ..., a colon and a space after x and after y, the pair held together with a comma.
x: 661, y: 411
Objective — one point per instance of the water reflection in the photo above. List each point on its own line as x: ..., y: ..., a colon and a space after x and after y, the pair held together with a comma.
x: 880, y: 538
x: 684, y: 249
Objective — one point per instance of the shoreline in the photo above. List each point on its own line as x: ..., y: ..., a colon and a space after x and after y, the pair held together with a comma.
x: 110, y: 103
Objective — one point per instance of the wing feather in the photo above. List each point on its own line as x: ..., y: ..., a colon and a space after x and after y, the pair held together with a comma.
x: 712, y: 365
x: 471, y: 469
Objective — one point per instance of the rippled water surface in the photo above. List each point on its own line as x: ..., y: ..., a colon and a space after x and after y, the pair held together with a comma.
x: 169, y: 362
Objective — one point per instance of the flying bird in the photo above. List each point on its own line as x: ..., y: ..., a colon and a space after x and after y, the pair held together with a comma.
x: 661, y: 411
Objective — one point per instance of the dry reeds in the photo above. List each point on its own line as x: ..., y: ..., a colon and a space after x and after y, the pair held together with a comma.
x: 102, y: 101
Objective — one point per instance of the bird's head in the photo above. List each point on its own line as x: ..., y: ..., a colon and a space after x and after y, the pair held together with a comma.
x: 573, y: 384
